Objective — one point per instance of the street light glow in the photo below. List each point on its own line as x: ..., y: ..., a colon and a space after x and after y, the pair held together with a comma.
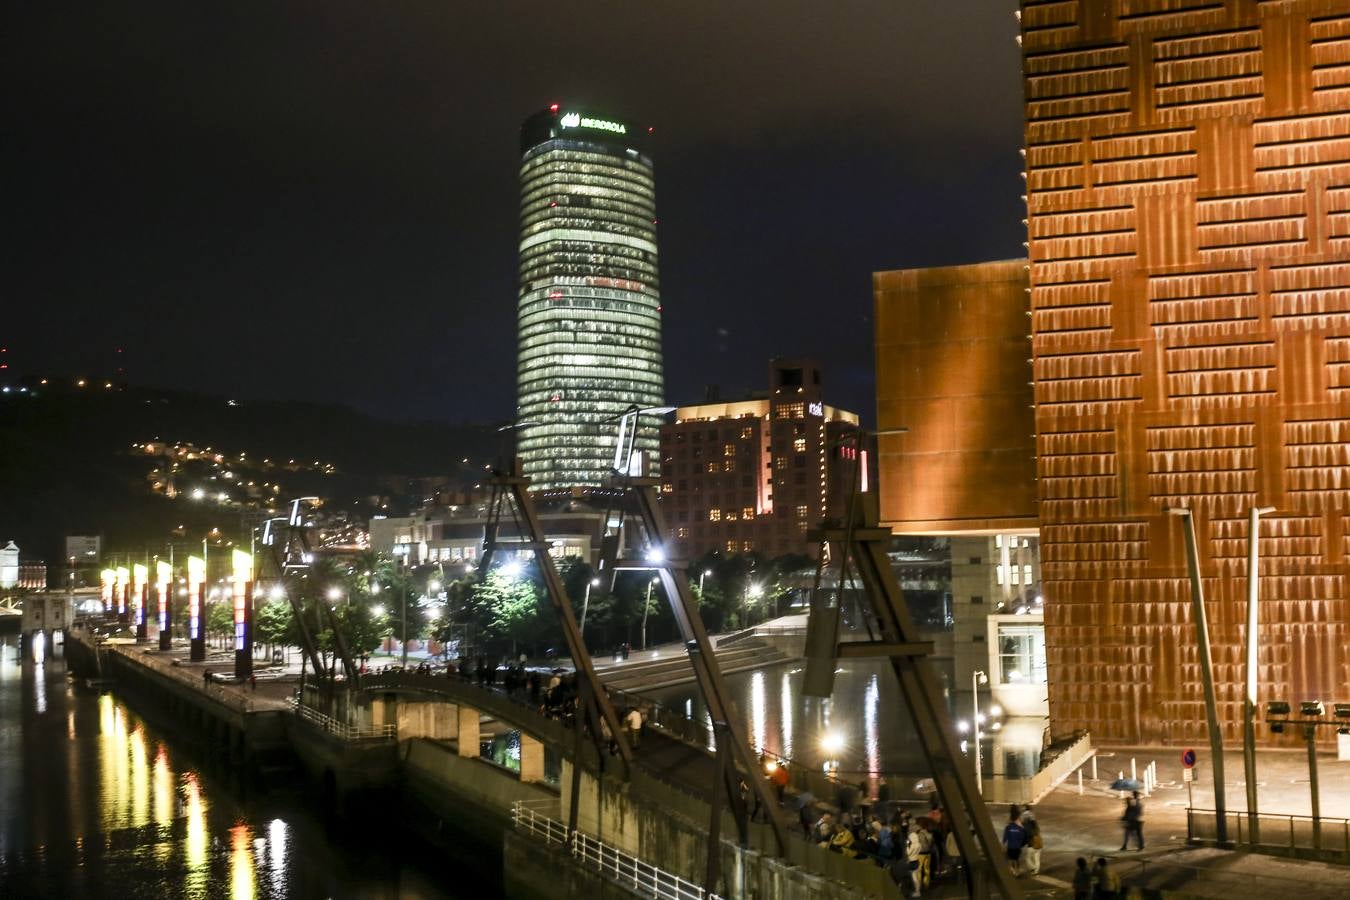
x: 335, y: 593
x: 511, y: 569
x: 832, y: 742
x: 377, y: 610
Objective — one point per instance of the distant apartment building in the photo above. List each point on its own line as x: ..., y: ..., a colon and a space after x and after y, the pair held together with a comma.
x: 758, y: 474
x: 572, y: 519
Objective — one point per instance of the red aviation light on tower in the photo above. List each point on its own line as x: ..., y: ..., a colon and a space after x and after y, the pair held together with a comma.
x: 553, y: 107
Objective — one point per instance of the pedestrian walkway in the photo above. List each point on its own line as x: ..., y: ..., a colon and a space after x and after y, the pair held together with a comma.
x: 1088, y: 825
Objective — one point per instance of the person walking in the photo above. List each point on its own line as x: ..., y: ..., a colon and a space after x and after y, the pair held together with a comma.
x: 1133, y: 820
x: 1082, y: 881
x: 1106, y: 883
x: 1031, y: 853
x: 1014, y: 839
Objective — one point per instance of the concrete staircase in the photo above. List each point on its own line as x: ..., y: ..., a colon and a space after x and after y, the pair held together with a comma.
x: 669, y: 665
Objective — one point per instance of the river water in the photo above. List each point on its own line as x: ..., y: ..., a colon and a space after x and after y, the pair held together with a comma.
x: 94, y: 802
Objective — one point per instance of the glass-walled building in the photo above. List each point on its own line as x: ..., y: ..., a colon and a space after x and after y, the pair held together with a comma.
x: 589, y: 313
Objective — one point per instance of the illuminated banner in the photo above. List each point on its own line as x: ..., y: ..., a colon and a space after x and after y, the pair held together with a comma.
x: 140, y: 578
x: 243, y: 574
x: 196, y: 593
x: 109, y: 579
x: 123, y: 585
x: 243, y: 614
x: 164, y: 585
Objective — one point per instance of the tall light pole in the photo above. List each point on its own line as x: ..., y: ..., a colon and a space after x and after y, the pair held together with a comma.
x: 977, y: 678
x: 646, y: 607
x: 702, y: 575
x: 586, y: 603
x: 1206, y: 672
x: 1253, y: 646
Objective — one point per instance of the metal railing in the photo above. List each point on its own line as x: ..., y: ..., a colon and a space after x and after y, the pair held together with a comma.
x: 530, y: 817
x: 1286, y: 831
x: 342, y: 729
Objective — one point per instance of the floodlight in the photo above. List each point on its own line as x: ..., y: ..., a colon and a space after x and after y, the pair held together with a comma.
x: 1277, y: 708
x: 1312, y: 708
x: 1342, y: 710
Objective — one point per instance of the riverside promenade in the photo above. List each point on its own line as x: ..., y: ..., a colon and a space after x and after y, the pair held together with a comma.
x: 1088, y: 825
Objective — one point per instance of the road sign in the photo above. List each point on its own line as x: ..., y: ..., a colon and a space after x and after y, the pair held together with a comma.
x: 1188, y: 758
x: 1188, y: 775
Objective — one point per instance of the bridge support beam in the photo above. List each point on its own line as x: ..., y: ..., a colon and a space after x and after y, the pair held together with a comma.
x: 468, y: 731
x: 531, y: 759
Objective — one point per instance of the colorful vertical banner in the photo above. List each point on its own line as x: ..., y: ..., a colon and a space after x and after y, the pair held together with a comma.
x: 242, y: 565
x: 123, y: 588
x: 109, y: 581
x: 164, y: 586
x: 196, y: 594
x: 140, y: 583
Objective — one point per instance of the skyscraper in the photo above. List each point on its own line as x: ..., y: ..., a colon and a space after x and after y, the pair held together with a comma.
x: 1188, y: 191
x: 589, y: 313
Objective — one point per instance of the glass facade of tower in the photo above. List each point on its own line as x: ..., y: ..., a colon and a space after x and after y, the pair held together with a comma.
x: 589, y: 313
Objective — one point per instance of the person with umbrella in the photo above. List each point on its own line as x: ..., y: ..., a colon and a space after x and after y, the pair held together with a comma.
x: 1133, y: 820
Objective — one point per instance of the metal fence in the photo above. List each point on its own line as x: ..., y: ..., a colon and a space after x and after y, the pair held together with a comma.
x: 342, y: 729
x: 1290, y: 832
x: 531, y: 817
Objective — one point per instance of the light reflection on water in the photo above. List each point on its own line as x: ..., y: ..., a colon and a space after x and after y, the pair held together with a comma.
x: 95, y: 802
x: 866, y: 714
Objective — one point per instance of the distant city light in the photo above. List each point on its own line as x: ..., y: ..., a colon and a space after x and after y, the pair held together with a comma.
x: 198, y: 494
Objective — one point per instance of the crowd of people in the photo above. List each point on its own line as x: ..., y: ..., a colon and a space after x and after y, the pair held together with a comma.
x: 914, y: 849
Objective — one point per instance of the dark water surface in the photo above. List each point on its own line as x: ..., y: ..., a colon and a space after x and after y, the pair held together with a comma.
x: 94, y: 802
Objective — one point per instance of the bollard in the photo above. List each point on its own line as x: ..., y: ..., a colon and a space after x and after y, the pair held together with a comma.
x: 1080, y: 782
x: 1094, y: 767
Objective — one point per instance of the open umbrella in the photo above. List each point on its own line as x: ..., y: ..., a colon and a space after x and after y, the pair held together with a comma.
x: 1126, y: 784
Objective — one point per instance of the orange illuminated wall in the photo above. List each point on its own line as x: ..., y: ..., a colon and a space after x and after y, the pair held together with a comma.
x: 1188, y: 193
x: 953, y: 366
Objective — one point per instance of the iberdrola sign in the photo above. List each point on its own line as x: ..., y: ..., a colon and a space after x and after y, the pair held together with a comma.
x: 577, y: 120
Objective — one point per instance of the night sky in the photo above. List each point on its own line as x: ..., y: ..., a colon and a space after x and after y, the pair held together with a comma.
x: 320, y: 199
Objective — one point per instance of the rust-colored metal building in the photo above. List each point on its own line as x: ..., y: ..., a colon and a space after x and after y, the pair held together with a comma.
x: 1188, y: 192
x: 953, y: 367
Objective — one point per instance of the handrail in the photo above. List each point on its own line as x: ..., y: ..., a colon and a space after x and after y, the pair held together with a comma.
x: 616, y: 865
x: 342, y: 729
x: 1323, y: 833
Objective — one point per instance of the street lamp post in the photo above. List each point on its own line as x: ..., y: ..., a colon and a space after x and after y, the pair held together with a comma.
x: 702, y: 575
x: 646, y: 607
x: 586, y: 603
x: 977, y: 678
x: 1253, y: 645
x: 1206, y: 673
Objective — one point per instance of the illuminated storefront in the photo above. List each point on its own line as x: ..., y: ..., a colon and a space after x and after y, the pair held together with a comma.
x: 589, y: 310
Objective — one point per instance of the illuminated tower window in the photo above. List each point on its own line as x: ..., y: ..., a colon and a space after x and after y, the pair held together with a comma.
x: 589, y: 312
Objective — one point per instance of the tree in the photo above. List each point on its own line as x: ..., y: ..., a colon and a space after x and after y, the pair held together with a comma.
x: 272, y: 622
x: 504, y: 609
x: 220, y: 618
